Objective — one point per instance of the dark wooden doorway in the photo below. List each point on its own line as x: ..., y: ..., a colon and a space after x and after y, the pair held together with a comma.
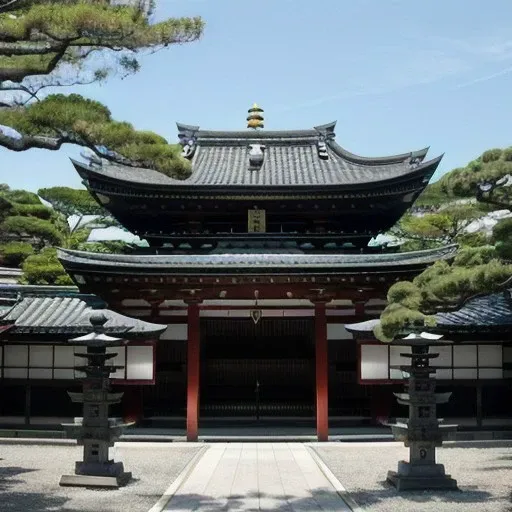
x: 257, y: 369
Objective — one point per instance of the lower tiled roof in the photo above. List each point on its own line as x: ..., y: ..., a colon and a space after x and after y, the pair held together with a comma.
x: 486, y: 311
x: 64, y: 313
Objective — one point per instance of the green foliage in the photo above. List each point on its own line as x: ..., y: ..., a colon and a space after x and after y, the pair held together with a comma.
x: 32, y: 227
x: 33, y: 210
x: 70, y: 201
x: 475, y: 165
x: 14, y: 253
x: 491, y: 155
x: 473, y: 256
x: 107, y: 246
x: 440, y: 287
x: 433, y: 195
x: 406, y: 294
x: 502, y: 237
x: 502, y: 231
x: 417, y: 244
x: 462, y: 182
x: 45, y: 269
x: 72, y: 26
x: 430, y: 274
x: 20, y: 196
x: 397, y: 318
x: 476, y: 239
x: 445, y: 225
x: 46, y: 227
x: 92, y: 125
x: 504, y: 250
x: 507, y: 155
x: 51, y: 42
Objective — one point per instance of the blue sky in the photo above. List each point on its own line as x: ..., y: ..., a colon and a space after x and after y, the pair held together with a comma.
x: 397, y: 75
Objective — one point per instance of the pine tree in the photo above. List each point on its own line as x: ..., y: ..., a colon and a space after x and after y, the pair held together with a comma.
x: 51, y: 43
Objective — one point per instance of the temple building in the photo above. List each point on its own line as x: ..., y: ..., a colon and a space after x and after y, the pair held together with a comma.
x: 254, y: 266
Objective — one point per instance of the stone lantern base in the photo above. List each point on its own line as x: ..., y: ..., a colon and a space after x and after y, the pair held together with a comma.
x: 418, y: 477
x: 111, y: 482
x: 97, y: 474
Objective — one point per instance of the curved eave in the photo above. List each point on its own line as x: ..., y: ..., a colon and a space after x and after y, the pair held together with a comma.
x: 363, y: 328
x: 54, y: 314
x: 424, y: 170
x: 378, y: 160
x: 263, y: 263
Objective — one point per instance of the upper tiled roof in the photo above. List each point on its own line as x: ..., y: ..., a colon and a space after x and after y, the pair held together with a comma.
x: 63, y: 310
x: 291, y: 158
x: 260, y: 262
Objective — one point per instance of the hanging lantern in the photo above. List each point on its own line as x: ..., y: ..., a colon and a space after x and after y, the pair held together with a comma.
x: 255, y: 118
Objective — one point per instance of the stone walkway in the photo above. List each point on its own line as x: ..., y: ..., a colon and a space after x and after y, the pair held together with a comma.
x: 254, y: 477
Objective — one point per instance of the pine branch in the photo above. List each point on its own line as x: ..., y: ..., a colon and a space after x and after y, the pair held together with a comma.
x: 8, y: 5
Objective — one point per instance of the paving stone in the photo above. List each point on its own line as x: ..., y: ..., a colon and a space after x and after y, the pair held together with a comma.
x: 257, y: 477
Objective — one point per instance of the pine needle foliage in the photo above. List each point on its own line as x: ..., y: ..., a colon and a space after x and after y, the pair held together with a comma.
x: 51, y: 43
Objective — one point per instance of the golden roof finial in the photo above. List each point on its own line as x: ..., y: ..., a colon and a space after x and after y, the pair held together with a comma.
x: 255, y: 118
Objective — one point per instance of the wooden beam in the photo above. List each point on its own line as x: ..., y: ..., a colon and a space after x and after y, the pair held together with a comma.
x: 322, y: 373
x: 193, y: 371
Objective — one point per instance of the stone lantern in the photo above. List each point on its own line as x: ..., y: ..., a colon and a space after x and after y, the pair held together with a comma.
x: 422, y: 432
x: 95, y: 431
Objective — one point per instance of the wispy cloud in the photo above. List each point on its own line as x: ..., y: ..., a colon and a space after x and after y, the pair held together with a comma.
x: 399, y: 69
x: 438, y: 60
x: 485, y: 78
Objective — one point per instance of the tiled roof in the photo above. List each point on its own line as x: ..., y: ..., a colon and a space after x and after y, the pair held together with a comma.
x: 290, y: 159
x: 10, y: 275
x: 487, y: 311
x: 65, y: 312
x: 260, y: 262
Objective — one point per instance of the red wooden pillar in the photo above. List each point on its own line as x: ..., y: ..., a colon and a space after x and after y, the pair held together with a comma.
x: 359, y: 308
x: 132, y: 403
x: 193, y: 369
x: 322, y: 373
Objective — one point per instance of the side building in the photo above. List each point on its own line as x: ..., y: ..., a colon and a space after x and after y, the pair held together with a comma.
x: 476, y: 368
x: 37, y: 359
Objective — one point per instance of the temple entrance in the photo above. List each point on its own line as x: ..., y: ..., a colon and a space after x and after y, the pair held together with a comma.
x: 257, y: 370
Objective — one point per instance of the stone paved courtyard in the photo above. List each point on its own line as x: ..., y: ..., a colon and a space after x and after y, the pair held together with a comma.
x: 483, y: 471
x: 30, y: 472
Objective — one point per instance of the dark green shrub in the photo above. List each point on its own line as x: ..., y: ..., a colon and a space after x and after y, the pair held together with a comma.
x: 491, y: 155
x: 14, y: 253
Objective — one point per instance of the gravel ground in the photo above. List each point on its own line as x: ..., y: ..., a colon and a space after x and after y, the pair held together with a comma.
x: 30, y: 474
x: 483, y: 471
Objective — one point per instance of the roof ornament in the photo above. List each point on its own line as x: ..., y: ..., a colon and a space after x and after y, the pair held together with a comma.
x: 256, y: 156
x: 255, y: 118
x: 189, y: 147
x: 322, y: 150
x: 187, y: 134
x: 415, y: 161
